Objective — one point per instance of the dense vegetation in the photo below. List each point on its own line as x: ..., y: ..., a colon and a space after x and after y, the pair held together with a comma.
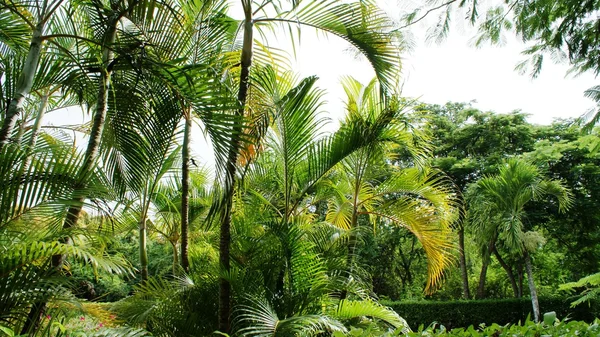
x: 292, y: 230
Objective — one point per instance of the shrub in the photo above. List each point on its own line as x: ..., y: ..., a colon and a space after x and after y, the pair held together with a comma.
x: 454, y: 314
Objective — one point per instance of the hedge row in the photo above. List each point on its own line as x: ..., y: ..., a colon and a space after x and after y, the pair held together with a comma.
x: 454, y: 314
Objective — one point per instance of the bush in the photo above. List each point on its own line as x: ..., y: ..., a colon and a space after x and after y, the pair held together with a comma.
x: 455, y: 314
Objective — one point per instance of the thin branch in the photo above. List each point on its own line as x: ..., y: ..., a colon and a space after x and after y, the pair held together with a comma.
x: 54, y: 36
x: 426, y: 14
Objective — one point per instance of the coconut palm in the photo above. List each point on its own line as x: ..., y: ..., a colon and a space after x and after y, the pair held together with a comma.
x: 502, y: 213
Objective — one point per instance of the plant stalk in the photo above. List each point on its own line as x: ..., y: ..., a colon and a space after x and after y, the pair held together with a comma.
x: 24, y: 84
x: 185, y: 188
x: 532, y: 290
x: 231, y: 169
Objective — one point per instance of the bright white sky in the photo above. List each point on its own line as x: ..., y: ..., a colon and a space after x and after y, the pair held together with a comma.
x: 456, y: 71
x: 451, y: 71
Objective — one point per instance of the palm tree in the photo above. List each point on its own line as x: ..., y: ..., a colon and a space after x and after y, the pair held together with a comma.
x: 155, y: 73
x: 35, y: 75
x: 502, y: 212
x: 24, y: 19
x: 419, y: 199
x: 33, y: 202
x: 286, y: 284
x: 167, y: 202
x: 109, y: 19
x: 361, y: 24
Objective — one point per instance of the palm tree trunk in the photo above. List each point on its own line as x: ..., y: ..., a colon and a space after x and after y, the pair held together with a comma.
x: 143, y: 247
x: 463, y: 263
x: 352, y: 240
x: 32, y: 321
x: 484, y: 266
x: 175, y: 258
x: 37, y: 124
x: 508, y: 270
x: 231, y: 165
x: 481, y: 286
x: 520, y: 277
x: 35, y: 130
x: 24, y: 84
x: 91, y: 153
x: 185, y: 187
x: 19, y: 136
x: 532, y: 291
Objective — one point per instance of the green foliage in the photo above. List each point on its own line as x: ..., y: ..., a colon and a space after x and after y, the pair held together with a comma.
x: 591, y: 285
x: 566, y: 328
x: 455, y: 314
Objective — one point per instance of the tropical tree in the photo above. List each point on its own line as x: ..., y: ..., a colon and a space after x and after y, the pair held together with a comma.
x: 469, y: 144
x: 166, y: 202
x: 295, y: 282
x: 22, y: 20
x: 501, y: 214
x: 361, y: 24
x: 159, y: 76
x: 107, y: 18
x: 33, y: 205
x: 417, y: 198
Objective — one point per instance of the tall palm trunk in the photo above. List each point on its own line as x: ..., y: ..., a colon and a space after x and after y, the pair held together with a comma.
x: 482, y: 275
x: 353, y: 240
x: 463, y: 263
x: 225, y: 230
x: 175, y: 258
x: 143, y: 246
x: 484, y: 266
x: 520, y: 278
x: 91, y: 153
x: 19, y: 136
x: 37, y: 124
x: 24, y: 84
x: 185, y: 187
x: 532, y: 290
x: 35, y: 130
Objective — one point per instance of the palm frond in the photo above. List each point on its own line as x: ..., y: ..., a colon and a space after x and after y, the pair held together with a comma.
x: 363, y: 25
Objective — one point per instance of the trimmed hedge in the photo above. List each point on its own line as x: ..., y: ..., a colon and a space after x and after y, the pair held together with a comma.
x: 455, y: 314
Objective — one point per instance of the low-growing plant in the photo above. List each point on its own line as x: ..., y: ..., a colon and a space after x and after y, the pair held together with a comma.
x: 563, y: 328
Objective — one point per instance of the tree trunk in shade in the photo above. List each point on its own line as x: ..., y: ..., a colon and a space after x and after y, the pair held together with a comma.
x: 143, y: 248
x: 532, y: 290
x: 93, y: 147
x: 508, y: 270
x: 185, y: 188
x: 231, y: 169
x: 484, y: 266
x: 463, y: 263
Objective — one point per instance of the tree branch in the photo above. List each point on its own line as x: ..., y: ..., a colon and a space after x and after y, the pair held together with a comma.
x: 426, y: 14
